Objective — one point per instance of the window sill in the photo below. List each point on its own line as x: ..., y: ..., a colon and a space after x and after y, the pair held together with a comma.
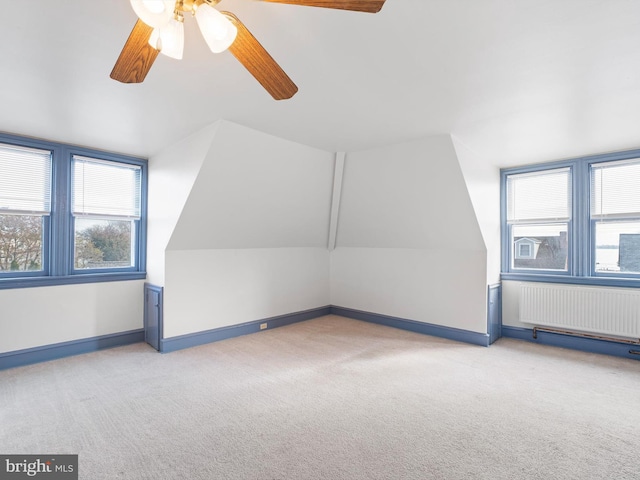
x: 26, y: 282
x: 596, y: 281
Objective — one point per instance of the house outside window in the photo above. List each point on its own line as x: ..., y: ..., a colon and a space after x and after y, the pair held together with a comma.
x: 526, y: 249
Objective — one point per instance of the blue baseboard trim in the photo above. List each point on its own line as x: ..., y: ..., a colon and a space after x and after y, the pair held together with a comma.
x: 459, y: 335
x: 590, y: 345
x: 19, y: 358
x: 208, y: 336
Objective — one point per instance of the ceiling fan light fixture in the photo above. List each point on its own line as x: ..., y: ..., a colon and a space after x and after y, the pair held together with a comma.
x: 217, y: 30
x: 169, y: 40
x: 155, y: 13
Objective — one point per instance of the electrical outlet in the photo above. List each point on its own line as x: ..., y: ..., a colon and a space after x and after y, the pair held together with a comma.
x: 263, y: 326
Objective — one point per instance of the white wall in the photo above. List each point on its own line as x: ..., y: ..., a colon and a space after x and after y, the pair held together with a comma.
x: 427, y: 285
x: 482, y: 179
x: 408, y: 241
x: 250, y: 240
x: 32, y: 317
x: 208, y: 289
x: 172, y: 173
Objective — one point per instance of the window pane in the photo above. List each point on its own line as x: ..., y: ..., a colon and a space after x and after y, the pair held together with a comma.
x: 540, y: 247
x: 21, y: 243
x: 25, y: 179
x: 615, y: 189
x: 539, y: 195
x: 105, y: 188
x: 618, y: 247
x: 103, y: 243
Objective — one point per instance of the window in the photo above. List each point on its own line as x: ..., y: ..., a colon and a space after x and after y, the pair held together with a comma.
x: 576, y: 221
x: 106, y: 213
x: 525, y: 251
x: 615, y: 215
x: 69, y: 214
x: 25, y: 208
x: 525, y: 248
x: 538, y: 216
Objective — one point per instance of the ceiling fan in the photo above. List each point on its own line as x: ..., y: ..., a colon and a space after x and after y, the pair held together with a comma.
x: 160, y: 29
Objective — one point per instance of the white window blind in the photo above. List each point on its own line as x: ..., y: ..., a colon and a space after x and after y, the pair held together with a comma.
x: 106, y: 188
x: 25, y: 180
x: 615, y: 189
x: 539, y: 195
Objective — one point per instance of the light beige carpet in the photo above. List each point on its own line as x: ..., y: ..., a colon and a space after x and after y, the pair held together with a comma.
x: 331, y: 398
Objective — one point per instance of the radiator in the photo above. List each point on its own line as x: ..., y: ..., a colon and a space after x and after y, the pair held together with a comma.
x: 605, y: 311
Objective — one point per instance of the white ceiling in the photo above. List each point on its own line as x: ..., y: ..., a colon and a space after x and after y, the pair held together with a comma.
x: 517, y: 81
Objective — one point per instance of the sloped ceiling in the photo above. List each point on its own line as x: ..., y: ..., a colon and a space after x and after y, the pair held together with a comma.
x: 411, y: 195
x: 516, y: 81
x: 256, y: 191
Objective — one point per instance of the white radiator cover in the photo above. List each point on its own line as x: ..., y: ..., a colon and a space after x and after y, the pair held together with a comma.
x: 605, y: 311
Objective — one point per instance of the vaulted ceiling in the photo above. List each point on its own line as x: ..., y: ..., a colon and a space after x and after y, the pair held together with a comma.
x: 516, y: 81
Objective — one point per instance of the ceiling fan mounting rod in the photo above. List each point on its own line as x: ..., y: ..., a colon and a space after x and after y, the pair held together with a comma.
x: 190, y: 6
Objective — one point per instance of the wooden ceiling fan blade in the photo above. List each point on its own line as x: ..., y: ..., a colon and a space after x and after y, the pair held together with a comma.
x: 260, y: 64
x: 369, y: 6
x: 136, y: 57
